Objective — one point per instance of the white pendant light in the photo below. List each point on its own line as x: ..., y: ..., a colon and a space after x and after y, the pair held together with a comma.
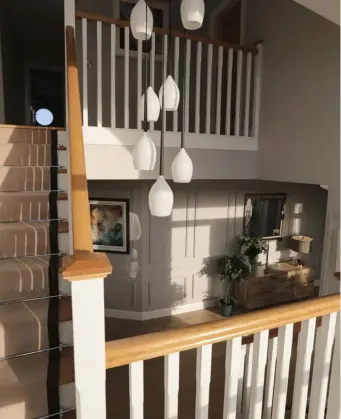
x: 182, y: 167
x: 153, y: 106
x: 192, y: 14
x: 144, y: 153
x: 172, y: 94
x: 161, y: 198
x: 141, y: 21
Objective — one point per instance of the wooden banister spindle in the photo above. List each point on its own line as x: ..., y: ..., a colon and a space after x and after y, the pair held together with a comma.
x: 198, y: 88
x: 136, y: 390
x: 229, y: 92
x: 203, y: 378
x: 238, y: 93
x: 113, y: 75
x: 85, y: 71
x: 139, y: 82
x: 187, y: 81
x: 285, y: 335
x: 232, y: 371
x: 333, y: 406
x: 247, y: 381
x: 172, y: 365
x: 219, y: 78
x: 247, y: 94
x: 322, y: 359
x: 270, y: 378
x: 176, y: 79
x: 152, y: 70
x: 126, y: 76
x: 99, y: 75
x: 209, y: 88
x: 260, y: 348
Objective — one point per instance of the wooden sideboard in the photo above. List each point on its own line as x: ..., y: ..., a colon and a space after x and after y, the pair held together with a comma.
x: 279, y: 286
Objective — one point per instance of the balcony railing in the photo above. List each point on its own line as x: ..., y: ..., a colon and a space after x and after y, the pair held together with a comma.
x: 222, y: 80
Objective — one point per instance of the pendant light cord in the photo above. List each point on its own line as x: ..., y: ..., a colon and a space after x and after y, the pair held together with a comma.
x: 169, y: 36
x: 145, y: 127
x: 184, y: 98
x: 162, y: 115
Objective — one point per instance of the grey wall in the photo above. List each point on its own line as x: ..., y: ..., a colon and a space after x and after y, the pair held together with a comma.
x: 299, y: 137
x: 206, y: 218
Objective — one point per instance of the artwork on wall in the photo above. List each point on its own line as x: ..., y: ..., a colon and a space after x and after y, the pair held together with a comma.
x: 110, y: 225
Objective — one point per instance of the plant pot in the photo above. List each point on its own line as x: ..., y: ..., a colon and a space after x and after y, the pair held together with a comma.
x: 225, y: 309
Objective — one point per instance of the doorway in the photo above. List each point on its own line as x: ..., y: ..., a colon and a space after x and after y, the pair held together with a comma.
x: 46, y: 97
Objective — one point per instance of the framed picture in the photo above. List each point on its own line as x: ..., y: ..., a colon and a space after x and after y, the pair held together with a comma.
x: 110, y: 225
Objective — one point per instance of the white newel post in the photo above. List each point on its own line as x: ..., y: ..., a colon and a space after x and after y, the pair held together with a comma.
x: 89, y: 348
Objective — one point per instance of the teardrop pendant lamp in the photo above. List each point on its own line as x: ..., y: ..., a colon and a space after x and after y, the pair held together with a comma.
x: 141, y: 21
x: 182, y: 166
x: 144, y: 152
x: 172, y: 92
x: 192, y: 14
x: 161, y: 196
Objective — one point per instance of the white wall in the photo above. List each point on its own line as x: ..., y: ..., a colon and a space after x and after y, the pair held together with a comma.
x: 206, y: 218
x: 299, y: 137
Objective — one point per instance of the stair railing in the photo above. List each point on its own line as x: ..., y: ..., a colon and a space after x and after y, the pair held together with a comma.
x: 84, y: 268
x: 261, y: 349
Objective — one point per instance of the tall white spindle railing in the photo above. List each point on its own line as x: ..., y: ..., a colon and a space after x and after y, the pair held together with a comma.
x: 258, y: 368
x: 220, y: 94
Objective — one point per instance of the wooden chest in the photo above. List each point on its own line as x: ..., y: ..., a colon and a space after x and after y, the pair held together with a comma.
x: 274, y: 289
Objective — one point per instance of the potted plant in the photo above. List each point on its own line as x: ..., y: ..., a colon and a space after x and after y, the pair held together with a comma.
x: 251, y: 247
x: 229, y: 269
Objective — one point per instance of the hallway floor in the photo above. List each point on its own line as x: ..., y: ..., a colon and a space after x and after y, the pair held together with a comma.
x: 117, y: 378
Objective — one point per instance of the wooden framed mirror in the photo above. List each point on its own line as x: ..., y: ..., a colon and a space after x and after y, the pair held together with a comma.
x: 264, y: 214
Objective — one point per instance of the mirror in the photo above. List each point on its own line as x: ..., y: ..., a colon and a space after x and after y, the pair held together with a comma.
x: 263, y: 215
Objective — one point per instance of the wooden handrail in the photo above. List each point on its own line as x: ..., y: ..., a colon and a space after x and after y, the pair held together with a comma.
x: 161, y: 31
x: 153, y: 345
x: 83, y: 264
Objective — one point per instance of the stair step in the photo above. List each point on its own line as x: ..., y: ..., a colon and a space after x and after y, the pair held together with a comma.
x: 23, y: 392
x: 24, y: 326
x: 20, y: 239
x: 26, y: 154
x: 27, y: 135
x: 27, y: 178
x: 26, y: 206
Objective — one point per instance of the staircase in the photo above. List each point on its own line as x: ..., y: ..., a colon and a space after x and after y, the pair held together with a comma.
x: 36, y: 356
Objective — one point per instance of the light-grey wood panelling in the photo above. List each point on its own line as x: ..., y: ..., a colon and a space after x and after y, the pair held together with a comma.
x: 206, y: 218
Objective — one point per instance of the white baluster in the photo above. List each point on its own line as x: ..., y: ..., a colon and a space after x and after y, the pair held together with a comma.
x: 99, y: 74
x: 136, y: 392
x: 171, y: 385
x: 209, y: 85
x: 285, y: 335
x: 218, y: 107
x: 241, y: 381
x: 165, y: 52
x: 203, y: 375
x: 188, y: 72
x: 126, y: 77
x: 302, y: 372
x: 238, y: 92
x: 333, y: 409
x: 139, y: 80
x: 260, y: 348
x: 229, y: 92
x: 85, y: 71
x: 176, y: 79
x: 323, y: 350
x: 247, y: 381
x: 270, y: 378
x: 113, y: 75
x: 232, y: 372
x: 152, y: 69
x: 198, y: 88
x: 247, y: 93
x: 257, y: 90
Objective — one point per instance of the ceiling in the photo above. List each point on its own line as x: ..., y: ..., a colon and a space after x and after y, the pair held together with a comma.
x: 329, y: 9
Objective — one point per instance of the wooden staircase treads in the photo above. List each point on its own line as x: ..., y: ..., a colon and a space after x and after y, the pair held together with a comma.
x: 26, y: 135
x: 26, y: 154
x: 24, y: 326
x: 27, y: 238
x: 26, y: 206
x: 23, y: 384
x: 27, y: 178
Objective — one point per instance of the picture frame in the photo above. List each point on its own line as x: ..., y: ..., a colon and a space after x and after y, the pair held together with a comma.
x: 110, y: 225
